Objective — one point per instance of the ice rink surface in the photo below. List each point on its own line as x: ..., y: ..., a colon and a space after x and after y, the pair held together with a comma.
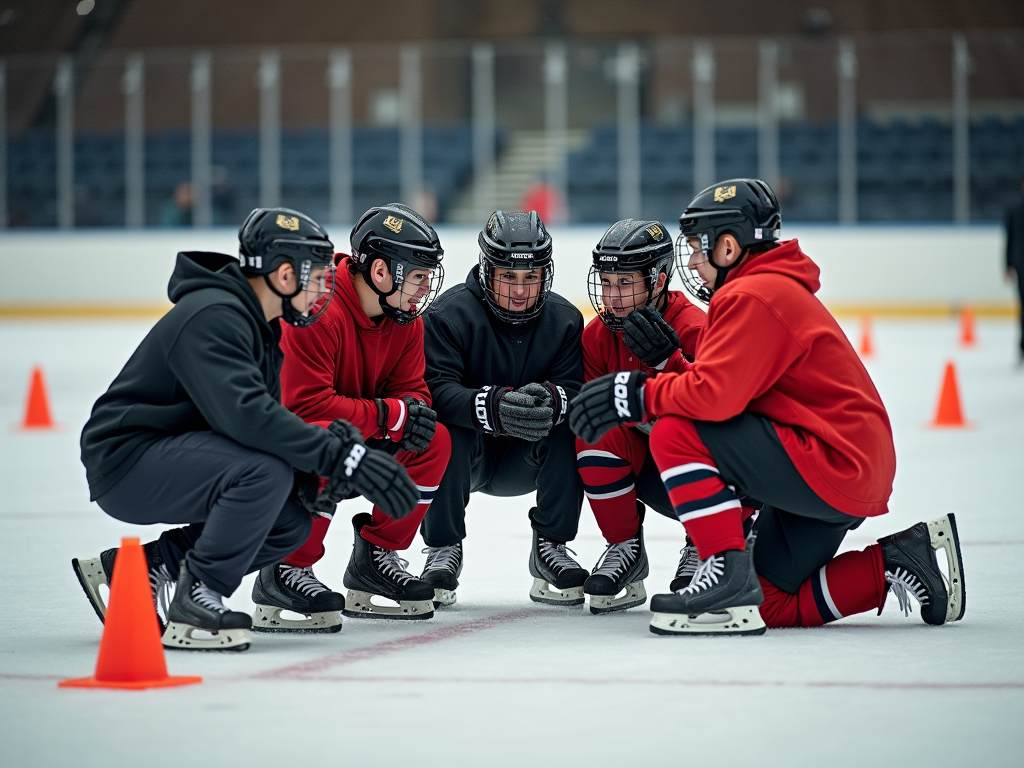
x: 500, y: 681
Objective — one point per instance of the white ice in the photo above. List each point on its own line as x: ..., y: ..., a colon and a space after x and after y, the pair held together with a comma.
x: 500, y: 681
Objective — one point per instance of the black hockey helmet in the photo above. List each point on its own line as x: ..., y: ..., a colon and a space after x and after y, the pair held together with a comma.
x: 406, y: 242
x: 270, y: 237
x: 629, y: 246
x: 747, y: 209
x: 516, y: 241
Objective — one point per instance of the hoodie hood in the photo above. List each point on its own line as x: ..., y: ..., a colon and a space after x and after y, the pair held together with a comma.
x: 196, y: 270
x: 786, y: 259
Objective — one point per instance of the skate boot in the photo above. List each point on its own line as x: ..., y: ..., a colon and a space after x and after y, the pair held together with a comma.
x: 284, y: 587
x: 98, y: 571
x: 198, y: 609
x: 442, y: 571
x: 912, y: 570
x: 557, y: 578
x: 688, y: 562
x: 374, y: 570
x: 622, y: 567
x: 721, y: 599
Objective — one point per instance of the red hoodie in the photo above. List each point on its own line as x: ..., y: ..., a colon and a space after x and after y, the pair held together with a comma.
x: 335, y: 368
x: 772, y: 349
x: 605, y: 352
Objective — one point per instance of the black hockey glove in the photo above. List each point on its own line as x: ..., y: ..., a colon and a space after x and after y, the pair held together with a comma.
x: 556, y: 398
x: 607, y: 402
x: 419, y: 427
x: 307, y: 493
x: 526, y: 413
x: 370, y: 473
x: 485, y: 409
x: 649, y: 337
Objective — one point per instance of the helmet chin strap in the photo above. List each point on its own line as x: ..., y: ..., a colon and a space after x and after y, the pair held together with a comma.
x: 288, y: 310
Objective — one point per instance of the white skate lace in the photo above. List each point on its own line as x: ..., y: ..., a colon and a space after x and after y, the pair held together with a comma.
x: 162, y: 584
x: 904, y: 585
x: 688, y: 562
x: 207, y: 598
x: 443, y: 558
x: 301, y: 579
x: 391, y: 565
x: 617, y: 558
x: 706, y: 575
x: 556, y: 555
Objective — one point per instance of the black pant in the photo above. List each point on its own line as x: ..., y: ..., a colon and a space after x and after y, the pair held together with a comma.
x: 797, y: 532
x: 1020, y: 292
x: 507, y: 466
x: 235, y: 499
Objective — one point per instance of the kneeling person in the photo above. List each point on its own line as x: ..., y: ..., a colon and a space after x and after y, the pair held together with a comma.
x: 503, y: 357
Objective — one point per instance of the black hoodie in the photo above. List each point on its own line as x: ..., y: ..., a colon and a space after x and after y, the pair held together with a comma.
x: 467, y: 348
x: 211, y: 363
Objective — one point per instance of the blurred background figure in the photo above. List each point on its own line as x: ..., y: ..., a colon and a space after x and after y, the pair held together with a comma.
x: 1015, y: 256
x: 178, y: 210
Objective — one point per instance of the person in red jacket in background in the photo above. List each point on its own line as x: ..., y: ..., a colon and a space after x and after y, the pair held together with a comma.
x: 776, y: 406
x: 640, y: 325
x: 364, y: 363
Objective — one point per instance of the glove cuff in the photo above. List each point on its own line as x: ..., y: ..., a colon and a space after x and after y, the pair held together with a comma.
x: 485, y: 410
x: 559, y: 402
x: 391, y: 416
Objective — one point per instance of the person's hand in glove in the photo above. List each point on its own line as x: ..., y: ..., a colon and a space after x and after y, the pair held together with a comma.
x: 553, y: 394
x: 415, y: 422
x: 607, y: 402
x: 526, y: 412
x: 649, y: 337
x: 307, y: 493
x: 371, y: 473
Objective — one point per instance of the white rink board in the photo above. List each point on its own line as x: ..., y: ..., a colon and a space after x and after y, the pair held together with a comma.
x: 500, y: 681
x: 939, y: 264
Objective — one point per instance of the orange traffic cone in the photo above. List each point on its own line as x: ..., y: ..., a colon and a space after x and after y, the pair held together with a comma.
x: 949, y: 413
x: 37, y: 408
x: 967, y: 338
x: 867, y: 347
x: 131, y: 655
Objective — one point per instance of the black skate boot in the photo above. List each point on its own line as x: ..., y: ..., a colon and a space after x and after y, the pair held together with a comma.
x: 622, y: 566
x: 912, y: 570
x: 557, y: 578
x: 721, y: 599
x: 374, y: 570
x: 442, y: 571
x: 284, y: 587
x: 688, y: 562
x: 98, y: 571
x: 197, y: 608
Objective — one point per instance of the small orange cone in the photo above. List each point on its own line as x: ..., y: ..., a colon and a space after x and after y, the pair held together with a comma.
x: 967, y: 338
x: 131, y: 655
x: 37, y: 408
x: 867, y: 347
x: 949, y: 413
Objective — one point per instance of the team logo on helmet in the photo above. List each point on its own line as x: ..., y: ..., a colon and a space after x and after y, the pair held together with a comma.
x: 291, y: 223
x: 655, y: 232
x: 394, y: 224
x: 724, y: 193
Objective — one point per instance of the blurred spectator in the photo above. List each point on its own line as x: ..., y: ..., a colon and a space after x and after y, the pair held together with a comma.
x: 178, y: 211
x: 425, y: 204
x: 1015, y: 256
x: 543, y: 198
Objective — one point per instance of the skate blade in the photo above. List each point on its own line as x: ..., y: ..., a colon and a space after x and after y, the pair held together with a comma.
x: 444, y: 597
x: 268, y: 618
x: 944, y: 536
x: 739, y: 620
x: 181, y: 637
x: 634, y: 595
x: 91, y: 576
x: 543, y: 592
x: 359, y: 606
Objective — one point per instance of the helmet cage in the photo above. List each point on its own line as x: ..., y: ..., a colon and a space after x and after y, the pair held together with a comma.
x: 401, y: 259
x: 495, y: 290
x: 650, y: 272
x: 304, y: 273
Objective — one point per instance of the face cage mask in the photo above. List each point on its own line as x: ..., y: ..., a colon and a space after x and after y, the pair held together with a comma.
x: 691, y: 279
x: 494, y: 290
x: 398, y: 269
x: 290, y: 314
x: 596, y: 291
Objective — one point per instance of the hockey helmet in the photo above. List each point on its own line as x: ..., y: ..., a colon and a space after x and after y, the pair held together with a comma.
x: 516, y: 241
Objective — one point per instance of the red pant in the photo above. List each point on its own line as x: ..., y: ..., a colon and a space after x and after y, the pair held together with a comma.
x: 425, y: 469
x: 608, y: 469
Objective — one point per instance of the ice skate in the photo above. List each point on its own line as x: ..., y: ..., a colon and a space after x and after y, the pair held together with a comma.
x: 442, y: 571
x: 376, y: 571
x: 722, y: 599
x: 912, y: 570
x: 622, y: 568
x: 284, y: 587
x: 98, y: 571
x: 557, y: 578
x: 199, y: 621
x: 688, y: 562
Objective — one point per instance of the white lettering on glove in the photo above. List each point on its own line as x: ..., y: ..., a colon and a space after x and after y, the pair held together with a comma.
x: 353, y: 459
x: 621, y: 393
x: 481, y: 408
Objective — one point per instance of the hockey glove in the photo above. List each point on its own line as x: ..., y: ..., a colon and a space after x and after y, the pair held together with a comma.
x: 370, y: 473
x: 607, y: 402
x: 307, y: 493
x: 649, y: 337
x: 416, y: 426
x: 556, y: 398
x: 526, y: 413
x: 485, y: 409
